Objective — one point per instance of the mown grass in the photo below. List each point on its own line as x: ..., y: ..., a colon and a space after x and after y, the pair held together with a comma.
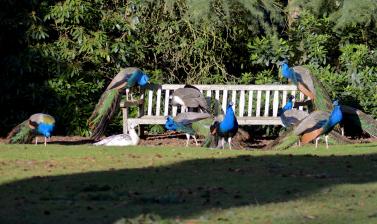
x: 86, y: 184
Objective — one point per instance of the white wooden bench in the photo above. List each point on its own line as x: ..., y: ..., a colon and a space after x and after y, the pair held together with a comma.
x: 253, y: 104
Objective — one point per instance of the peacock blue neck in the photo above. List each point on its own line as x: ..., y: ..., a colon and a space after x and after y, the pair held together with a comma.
x: 288, y: 105
x: 170, y: 124
x: 45, y: 129
x: 286, y: 71
x: 334, y: 119
x: 289, y: 73
x: 336, y: 116
x: 142, y: 78
x: 229, y: 120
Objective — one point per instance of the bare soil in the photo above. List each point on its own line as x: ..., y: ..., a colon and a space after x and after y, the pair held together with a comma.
x: 176, y: 139
x: 166, y: 139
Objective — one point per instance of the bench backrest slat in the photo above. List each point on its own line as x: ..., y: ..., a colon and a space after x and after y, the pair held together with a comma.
x: 225, y: 100
x: 166, y: 106
x: 259, y: 98
x: 249, y: 100
x: 275, y: 104
x: 242, y: 103
x: 250, y: 103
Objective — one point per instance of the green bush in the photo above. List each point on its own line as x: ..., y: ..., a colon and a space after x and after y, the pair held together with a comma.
x: 58, y: 56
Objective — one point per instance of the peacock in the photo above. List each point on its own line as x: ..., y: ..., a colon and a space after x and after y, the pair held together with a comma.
x: 304, y: 83
x: 190, y: 97
x: 37, y: 124
x: 321, y: 127
x: 290, y: 116
x: 189, y: 123
x: 227, y: 128
x: 109, y: 101
x: 322, y: 104
x: 287, y: 106
x: 122, y: 139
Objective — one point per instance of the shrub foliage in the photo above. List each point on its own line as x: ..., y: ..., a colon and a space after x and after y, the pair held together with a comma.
x: 57, y: 56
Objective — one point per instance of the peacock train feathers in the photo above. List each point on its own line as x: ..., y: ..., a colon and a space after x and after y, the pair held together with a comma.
x: 190, y: 123
x: 37, y: 124
x: 108, y: 104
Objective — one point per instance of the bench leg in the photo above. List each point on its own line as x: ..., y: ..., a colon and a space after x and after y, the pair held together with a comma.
x: 125, y: 120
x: 141, y: 131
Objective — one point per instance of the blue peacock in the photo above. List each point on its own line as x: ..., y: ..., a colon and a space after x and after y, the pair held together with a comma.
x: 303, y: 81
x: 290, y: 116
x: 37, y: 124
x: 189, y: 123
x: 287, y: 106
x: 227, y: 128
x: 312, y: 129
x: 109, y: 101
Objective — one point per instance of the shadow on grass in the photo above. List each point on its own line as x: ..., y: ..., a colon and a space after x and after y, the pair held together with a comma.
x: 178, y: 190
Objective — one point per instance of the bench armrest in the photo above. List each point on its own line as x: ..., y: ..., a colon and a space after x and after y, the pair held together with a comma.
x: 129, y: 103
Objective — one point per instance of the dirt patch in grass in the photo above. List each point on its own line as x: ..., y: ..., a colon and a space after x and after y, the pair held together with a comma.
x: 176, y: 139
x: 167, y: 139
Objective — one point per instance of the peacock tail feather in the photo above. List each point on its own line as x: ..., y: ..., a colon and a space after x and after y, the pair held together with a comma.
x: 335, y: 137
x: 284, y: 141
x: 21, y: 134
x: 211, y: 141
x: 104, y: 112
x: 202, y: 127
x: 322, y: 101
x: 185, y: 129
x: 360, y: 119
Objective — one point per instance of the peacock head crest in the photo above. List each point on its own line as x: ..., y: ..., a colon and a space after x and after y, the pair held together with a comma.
x: 229, y: 108
x: 283, y: 62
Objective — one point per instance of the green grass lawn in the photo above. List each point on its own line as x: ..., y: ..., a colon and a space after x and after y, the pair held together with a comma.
x: 87, y: 184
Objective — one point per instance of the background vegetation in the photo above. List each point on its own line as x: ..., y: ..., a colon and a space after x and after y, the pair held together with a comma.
x: 57, y: 56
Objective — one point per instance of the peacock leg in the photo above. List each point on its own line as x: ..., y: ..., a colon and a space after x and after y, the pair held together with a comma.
x: 45, y: 141
x: 230, y: 142
x: 188, y: 139
x: 299, y: 142
x: 327, y: 141
x: 196, y: 142
x: 316, y: 142
x: 36, y: 140
x: 342, y: 130
x: 222, y: 142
